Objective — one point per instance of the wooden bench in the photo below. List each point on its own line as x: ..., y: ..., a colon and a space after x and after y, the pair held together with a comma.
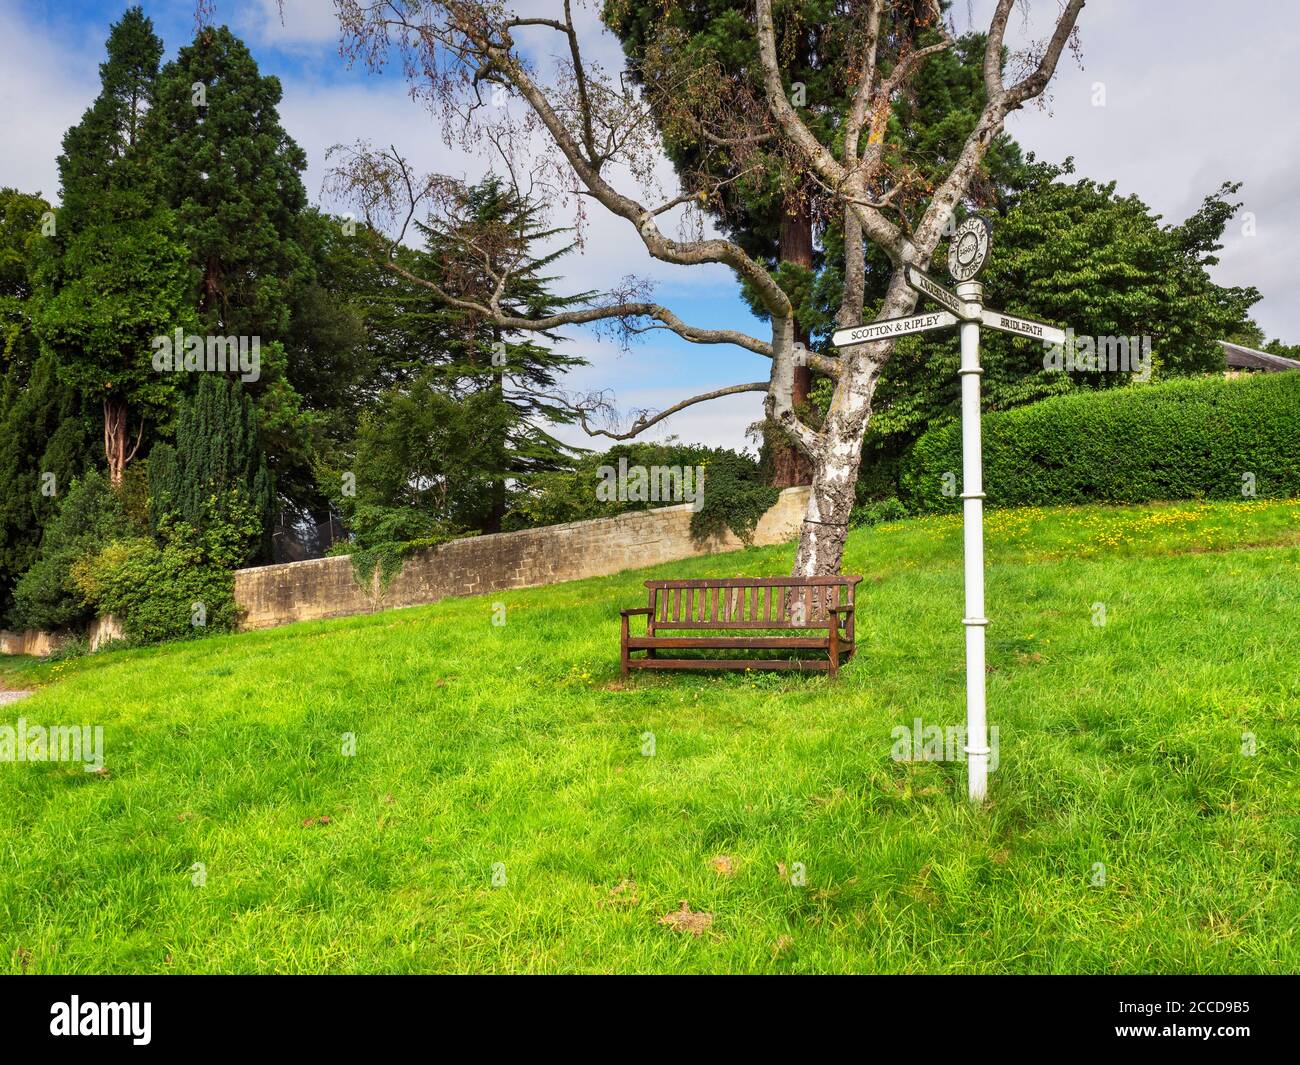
x: 695, y: 613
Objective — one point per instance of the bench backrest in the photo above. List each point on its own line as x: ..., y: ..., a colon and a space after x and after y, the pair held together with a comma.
x: 748, y: 602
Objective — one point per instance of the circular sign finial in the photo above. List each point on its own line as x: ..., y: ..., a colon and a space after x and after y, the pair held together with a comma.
x: 969, y: 248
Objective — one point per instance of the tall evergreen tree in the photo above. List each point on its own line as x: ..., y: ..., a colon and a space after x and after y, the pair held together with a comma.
x: 112, y: 277
x: 485, y: 233
x: 493, y: 233
x: 230, y: 171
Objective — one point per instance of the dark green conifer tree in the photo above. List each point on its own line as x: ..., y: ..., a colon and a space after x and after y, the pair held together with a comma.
x: 227, y: 167
x: 111, y: 277
x: 214, y: 479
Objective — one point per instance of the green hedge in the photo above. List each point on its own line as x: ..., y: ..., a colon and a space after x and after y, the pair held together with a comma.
x: 1187, y: 439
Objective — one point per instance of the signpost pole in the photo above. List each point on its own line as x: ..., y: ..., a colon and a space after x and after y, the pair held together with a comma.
x: 967, y: 252
x: 972, y: 496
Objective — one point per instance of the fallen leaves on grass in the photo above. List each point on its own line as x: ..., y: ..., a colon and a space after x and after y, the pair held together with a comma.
x: 322, y: 820
x: 686, y: 920
x: 624, y: 893
x: 724, y: 865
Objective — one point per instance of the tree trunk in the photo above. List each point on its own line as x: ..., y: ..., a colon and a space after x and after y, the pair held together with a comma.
x: 115, y: 411
x: 789, y: 465
x: 835, y: 465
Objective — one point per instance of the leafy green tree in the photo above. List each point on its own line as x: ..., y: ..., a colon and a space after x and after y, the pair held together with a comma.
x: 45, y: 440
x: 423, y: 463
x: 113, y: 275
x: 334, y: 363
x: 175, y: 591
x: 725, y: 486
x: 1278, y: 347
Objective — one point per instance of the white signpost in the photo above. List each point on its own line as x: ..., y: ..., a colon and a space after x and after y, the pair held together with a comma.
x: 967, y: 253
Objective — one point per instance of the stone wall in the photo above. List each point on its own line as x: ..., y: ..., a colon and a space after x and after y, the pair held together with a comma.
x: 99, y: 632
x: 30, y: 642
x: 326, y: 588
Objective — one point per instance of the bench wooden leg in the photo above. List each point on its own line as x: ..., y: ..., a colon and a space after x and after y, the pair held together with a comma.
x: 622, y: 654
x: 835, y: 648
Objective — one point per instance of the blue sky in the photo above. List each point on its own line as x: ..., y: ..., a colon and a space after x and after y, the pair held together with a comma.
x: 1189, y: 102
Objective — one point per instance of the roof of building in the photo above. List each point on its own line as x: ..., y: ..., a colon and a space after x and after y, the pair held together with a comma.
x: 1243, y: 358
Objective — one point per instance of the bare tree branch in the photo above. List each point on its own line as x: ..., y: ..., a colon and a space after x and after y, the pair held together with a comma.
x: 582, y: 408
x: 1000, y: 102
x: 586, y: 315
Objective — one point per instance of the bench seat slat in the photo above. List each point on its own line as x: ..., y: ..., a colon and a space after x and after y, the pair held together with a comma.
x: 716, y: 642
x: 800, y: 665
x: 762, y: 623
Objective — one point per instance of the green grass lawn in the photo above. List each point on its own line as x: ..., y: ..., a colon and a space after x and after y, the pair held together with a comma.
x: 518, y: 750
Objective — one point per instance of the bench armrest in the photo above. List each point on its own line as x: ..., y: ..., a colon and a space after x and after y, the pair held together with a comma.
x: 634, y: 610
x: 846, y: 609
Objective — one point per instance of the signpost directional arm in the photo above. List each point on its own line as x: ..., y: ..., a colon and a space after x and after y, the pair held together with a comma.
x: 923, y: 283
x: 892, y: 327
x: 1025, y: 327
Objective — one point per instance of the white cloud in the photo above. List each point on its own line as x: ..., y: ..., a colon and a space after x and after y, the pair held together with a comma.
x: 49, y: 76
